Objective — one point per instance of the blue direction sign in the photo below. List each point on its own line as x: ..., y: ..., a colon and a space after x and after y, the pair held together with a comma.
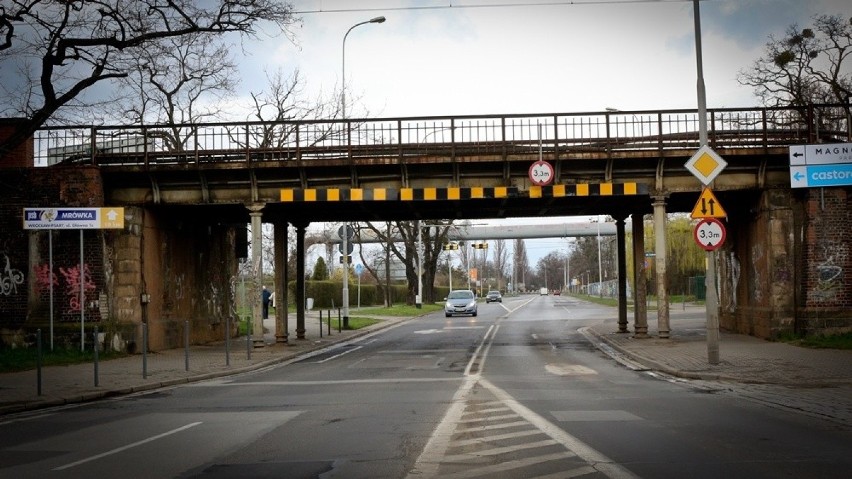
x: 813, y: 176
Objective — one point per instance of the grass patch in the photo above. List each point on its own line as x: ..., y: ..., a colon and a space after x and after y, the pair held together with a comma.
x: 23, y: 359
x: 833, y: 341
x: 400, y: 310
x: 356, y: 322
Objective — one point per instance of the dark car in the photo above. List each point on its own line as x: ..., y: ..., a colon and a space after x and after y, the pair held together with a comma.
x: 494, y: 296
x: 460, y: 301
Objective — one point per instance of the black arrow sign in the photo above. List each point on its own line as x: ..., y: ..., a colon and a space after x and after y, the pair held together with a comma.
x: 797, y: 154
x: 704, y: 203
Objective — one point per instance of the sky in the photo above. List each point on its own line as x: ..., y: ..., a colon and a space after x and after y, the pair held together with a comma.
x: 531, y: 57
x: 483, y: 57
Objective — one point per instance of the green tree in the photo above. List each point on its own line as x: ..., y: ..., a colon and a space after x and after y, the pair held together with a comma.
x: 320, y: 270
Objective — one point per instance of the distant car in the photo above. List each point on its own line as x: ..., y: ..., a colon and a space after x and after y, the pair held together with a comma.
x: 460, y: 301
x: 494, y: 296
x: 557, y: 292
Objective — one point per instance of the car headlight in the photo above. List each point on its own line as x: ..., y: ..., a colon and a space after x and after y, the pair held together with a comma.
x: 471, y: 304
x: 448, y: 305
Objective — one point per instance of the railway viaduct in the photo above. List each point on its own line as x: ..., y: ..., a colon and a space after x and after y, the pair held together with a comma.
x: 786, y: 264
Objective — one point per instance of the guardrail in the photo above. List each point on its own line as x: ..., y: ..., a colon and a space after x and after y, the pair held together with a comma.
x: 451, y: 137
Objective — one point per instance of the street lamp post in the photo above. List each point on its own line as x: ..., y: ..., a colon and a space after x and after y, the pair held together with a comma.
x: 345, y: 238
x: 343, y: 73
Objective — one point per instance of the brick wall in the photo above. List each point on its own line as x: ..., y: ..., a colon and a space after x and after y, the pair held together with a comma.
x: 20, y: 157
x: 25, y: 273
x: 827, y: 249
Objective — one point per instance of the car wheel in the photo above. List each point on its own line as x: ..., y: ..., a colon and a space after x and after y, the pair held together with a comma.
x: 474, y: 313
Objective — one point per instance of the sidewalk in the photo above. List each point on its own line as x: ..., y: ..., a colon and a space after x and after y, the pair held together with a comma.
x: 76, y: 383
x: 813, y: 381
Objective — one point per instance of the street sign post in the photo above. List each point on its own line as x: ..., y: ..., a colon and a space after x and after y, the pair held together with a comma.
x: 814, y: 166
x: 72, y: 219
x: 708, y: 206
x: 705, y: 164
x: 541, y: 173
x: 710, y: 234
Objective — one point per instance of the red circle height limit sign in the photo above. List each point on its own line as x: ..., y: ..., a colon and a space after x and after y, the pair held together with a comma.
x: 541, y: 173
x: 710, y: 234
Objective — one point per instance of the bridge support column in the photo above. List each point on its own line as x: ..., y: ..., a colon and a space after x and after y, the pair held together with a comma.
x: 660, y: 250
x: 256, y: 214
x: 622, y: 274
x: 300, y: 280
x: 282, y: 325
x: 640, y: 299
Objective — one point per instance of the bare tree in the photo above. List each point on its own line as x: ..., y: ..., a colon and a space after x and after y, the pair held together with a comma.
x: 63, y: 49
x: 805, y: 66
x: 401, y: 238
x: 521, y: 263
x: 178, y: 81
x: 501, y: 260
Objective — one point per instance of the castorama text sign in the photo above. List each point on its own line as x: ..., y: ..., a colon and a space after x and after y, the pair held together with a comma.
x: 73, y: 218
x: 828, y: 164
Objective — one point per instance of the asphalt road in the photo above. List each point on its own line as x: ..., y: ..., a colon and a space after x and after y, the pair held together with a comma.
x: 514, y: 392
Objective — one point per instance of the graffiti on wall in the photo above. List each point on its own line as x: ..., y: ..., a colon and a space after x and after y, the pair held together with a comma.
x: 10, y: 278
x: 829, y: 273
x: 733, y: 280
x: 72, y: 285
x: 44, y: 277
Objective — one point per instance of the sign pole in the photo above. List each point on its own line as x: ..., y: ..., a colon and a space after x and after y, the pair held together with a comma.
x: 82, y: 298
x: 711, y: 301
x: 50, y: 280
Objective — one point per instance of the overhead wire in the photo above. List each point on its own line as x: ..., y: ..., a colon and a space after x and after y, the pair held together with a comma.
x: 488, y: 5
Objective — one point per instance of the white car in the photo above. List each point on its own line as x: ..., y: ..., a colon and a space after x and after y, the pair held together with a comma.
x: 460, y: 301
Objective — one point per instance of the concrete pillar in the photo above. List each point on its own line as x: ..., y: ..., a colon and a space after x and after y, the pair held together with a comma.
x: 640, y: 306
x: 281, y: 319
x: 255, y: 212
x: 622, y: 274
x: 660, y: 250
x: 300, y: 280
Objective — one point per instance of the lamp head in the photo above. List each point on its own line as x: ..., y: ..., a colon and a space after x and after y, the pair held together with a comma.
x: 377, y: 20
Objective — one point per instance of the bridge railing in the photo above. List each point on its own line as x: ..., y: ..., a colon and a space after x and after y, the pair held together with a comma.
x: 452, y: 137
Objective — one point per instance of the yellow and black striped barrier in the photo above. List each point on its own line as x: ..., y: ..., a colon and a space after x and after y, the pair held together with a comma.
x: 292, y: 195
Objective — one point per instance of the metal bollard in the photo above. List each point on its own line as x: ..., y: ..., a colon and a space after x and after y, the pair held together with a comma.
x: 228, y: 340
x: 339, y: 324
x: 186, y: 344
x: 144, y: 350
x: 248, y: 341
x: 38, y: 361
x: 95, y: 349
x: 329, y: 324
x: 320, y: 323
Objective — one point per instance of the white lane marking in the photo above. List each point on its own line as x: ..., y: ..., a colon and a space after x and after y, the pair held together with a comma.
x: 340, y: 354
x: 488, y: 418
x: 227, y: 383
x: 429, y: 331
x: 599, y: 461
x: 568, y: 369
x: 496, y: 451
x: 507, y: 466
x: 129, y: 446
x: 496, y: 437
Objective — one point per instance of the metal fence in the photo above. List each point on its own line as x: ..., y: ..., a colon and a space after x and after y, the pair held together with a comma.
x: 395, y: 139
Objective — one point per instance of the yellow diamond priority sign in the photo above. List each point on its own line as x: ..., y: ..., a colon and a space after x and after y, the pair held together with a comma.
x: 705, y: 164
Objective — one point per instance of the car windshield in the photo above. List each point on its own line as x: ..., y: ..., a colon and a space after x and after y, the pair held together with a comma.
x: 493, y: 293
x: 460, y: 295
